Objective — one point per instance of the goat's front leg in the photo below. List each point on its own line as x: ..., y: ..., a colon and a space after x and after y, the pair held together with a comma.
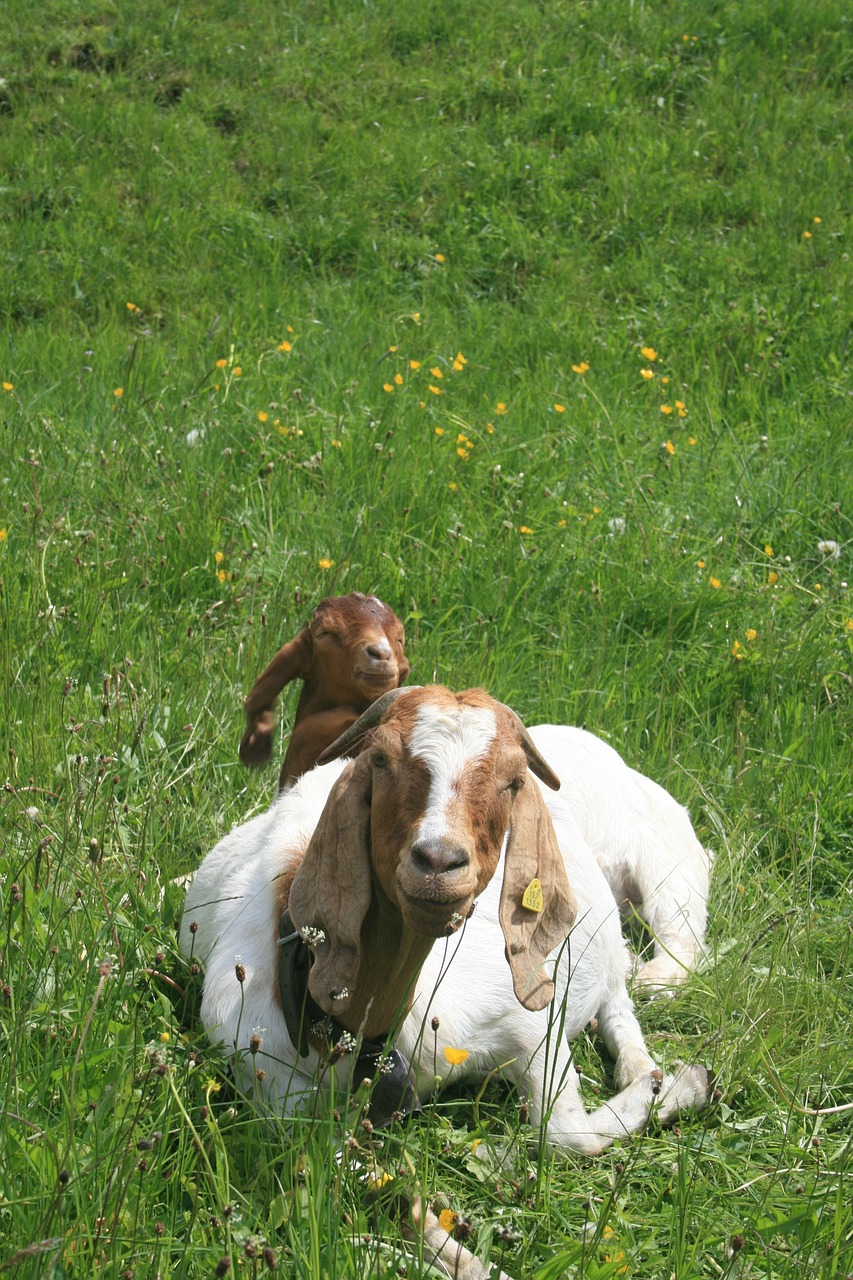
x: 556, y: 1104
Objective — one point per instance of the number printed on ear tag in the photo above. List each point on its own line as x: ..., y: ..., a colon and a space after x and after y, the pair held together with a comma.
x: 533, y: 899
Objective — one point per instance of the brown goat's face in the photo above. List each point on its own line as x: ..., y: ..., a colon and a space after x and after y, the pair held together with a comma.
x: 443, y: 781
x: 358, y: 643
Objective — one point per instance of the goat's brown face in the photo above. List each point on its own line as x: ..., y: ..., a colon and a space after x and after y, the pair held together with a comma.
x: 443, y: 782
x: 358, y: 641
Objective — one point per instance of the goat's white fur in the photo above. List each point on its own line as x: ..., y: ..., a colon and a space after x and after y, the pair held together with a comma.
x: 605, y: 811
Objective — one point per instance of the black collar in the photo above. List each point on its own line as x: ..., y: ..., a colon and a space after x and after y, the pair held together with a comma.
x: 393, y: 1093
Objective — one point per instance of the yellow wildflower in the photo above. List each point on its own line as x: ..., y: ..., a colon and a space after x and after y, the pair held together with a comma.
x: 436, y: 391
x: 500, y: 407
x: 387, y: 386
x: 262, y: 415
x: 456, y: 1056
x: 398, y: 378
x: 453, y: 486
x: 490, y: 428
x: 336, y: 444
x: 324, y: 563
x: 447, y: 1220
x: 439, y: 257
x: 220, y: 364
x: 458, y: 366
x: 737, y: 651
x: 647, y: 374
x: 580, y: 368
x: 285, y: 346
x: 392, y: 350
x: 119, y: 392
x: 238, y: 372
x: 669, y: 446
x: 218, y: 556
x: 648, y: 353
x: 436, y: 372
x: 8, y: 386
x: 463, y: 453
x: 700, y: 564
x: 559, y: 408
x: 666, y: 408
x: 4, y: 533
x: 439, y: 431
x: 751, y: 633
x: 523, y: 528
x: 414, y: 364
x: 768, y: 550
x: 715, y: 583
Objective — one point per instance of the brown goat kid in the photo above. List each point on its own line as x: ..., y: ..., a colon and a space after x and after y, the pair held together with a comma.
x: 351, y: 652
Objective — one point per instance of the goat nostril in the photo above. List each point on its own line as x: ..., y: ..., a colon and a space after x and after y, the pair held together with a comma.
x: 434, y: 857
x: 381, y: 651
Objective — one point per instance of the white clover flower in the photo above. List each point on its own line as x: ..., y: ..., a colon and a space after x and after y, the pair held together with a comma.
x: 829, y: 547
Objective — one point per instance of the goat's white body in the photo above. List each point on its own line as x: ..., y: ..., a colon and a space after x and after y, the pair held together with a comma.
x: 604, y: 811
x: 642, y: 840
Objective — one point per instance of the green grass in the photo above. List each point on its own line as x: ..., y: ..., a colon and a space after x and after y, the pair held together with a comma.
x: 538, y: 187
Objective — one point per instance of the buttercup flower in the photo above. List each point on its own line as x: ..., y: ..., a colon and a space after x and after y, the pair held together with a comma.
x: 583, y: 367
x: 647, y: 374
x: 648, y: 353
x: 325, y: 564
x: 715, y: 583
x: 285, y: 346
x: 456, y: 1056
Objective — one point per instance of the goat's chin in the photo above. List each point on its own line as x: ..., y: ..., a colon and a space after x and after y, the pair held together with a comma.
x: 375, y: 683
x: 432, y: 919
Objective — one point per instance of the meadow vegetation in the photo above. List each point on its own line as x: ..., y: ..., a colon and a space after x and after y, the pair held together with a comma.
x: 534, y: 320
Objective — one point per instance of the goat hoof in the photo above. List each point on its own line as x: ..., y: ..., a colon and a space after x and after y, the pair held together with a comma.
x: 693, y: 1083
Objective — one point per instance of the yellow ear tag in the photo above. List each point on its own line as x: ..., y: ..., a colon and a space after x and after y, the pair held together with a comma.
x: 533, y: 899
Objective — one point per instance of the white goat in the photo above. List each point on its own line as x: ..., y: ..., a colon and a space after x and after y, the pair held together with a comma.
x: 370, y: 861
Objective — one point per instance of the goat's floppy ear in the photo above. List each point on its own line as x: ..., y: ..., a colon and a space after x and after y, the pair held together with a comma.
x: 292, y: 662
x: 535, y: 918
x: 331, y: 890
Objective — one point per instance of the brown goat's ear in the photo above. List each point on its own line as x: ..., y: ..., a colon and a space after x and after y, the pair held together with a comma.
x: 332, y: 888
x: 537, y: 907
x: 292, y: 662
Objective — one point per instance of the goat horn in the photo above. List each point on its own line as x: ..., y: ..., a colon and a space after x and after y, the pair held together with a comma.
x: 368, y: 720
x: 537, y: 762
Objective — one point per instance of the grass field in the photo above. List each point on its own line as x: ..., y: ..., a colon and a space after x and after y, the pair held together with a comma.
x: 534, y: 320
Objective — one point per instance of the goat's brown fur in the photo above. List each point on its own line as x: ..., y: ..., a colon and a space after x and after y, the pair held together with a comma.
x: 380, y: 910
x: 351, y: 652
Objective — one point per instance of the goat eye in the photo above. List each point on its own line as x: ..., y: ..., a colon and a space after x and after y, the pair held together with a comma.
x: 379, y: 761
x: 515, y: 786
